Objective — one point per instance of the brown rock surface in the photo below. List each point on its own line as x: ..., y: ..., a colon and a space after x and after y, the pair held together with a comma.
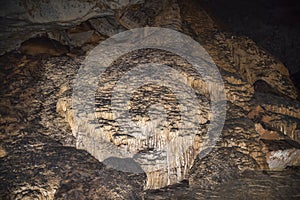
x: 44, y: 46
x: 250, y: 185
x: 34, y: 163
x: 38, y: 158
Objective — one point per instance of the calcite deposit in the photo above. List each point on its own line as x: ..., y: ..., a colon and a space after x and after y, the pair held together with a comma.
x: 49, y: 150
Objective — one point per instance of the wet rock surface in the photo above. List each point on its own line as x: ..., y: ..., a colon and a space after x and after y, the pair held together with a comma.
x: 39, y: 155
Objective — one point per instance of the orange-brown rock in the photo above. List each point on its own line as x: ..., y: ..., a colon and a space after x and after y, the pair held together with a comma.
x: 43, y: 46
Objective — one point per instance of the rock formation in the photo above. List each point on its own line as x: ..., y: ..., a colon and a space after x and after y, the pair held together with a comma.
x: 47, y: 152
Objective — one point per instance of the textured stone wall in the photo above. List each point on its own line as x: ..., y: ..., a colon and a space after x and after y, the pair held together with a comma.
x: 45, y: 154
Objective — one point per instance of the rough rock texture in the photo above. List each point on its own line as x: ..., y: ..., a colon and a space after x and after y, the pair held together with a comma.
x: 274, y: 25
x: 162, y: 167
x: 38, y: 167
x: 34, y: 161
x: 256, y: 64
x: 205, y: 29
x: 282, y: 153
x: 249, y: 185
x: 32, y: 18
x: 206, y: 172
x: 38, y: 129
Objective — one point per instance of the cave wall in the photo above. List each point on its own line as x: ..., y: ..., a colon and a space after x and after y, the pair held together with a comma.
x: 43, y: 153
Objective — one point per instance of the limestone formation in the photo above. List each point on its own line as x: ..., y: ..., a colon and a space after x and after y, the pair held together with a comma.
x: 255, y: 64
x: 167, y: 167
x: 34, y: 163
x: 48, y: 152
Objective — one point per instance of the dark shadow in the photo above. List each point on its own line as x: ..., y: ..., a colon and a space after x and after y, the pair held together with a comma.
x: 272, y: 24
x: 123, y: 164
